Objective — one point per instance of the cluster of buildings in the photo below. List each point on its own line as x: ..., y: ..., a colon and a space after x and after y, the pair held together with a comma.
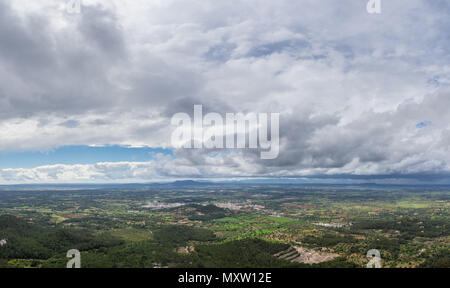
x: 333, y: 225
x: 159, y: 205
x: 234, y: 206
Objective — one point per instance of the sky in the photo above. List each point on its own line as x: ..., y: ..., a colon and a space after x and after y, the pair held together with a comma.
x: 88, y: 97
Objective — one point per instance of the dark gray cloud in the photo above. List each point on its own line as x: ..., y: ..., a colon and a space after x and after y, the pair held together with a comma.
x: 58, y: 70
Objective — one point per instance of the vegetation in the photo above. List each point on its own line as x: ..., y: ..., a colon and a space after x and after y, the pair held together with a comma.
x: 262, y: 226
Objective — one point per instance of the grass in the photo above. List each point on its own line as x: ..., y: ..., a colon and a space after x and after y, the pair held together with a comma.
x: 132, y: 235
x: 282, y: 220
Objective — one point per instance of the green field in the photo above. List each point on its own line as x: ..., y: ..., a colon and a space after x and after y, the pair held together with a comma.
x: 242, y: 226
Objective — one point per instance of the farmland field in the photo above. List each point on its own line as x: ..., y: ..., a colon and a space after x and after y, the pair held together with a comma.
x: 225, y: 225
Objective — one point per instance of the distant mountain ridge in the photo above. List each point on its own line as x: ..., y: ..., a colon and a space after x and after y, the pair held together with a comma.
x: 190, y: 183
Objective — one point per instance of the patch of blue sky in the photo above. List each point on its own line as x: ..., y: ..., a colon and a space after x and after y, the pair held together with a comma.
x: 70, y: 155
x: 221, y: 53
x: 278, y: 47
x: 423, y: 124
x: 222, y: 153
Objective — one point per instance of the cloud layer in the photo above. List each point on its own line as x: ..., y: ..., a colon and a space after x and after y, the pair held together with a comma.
x: 358, y: 94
